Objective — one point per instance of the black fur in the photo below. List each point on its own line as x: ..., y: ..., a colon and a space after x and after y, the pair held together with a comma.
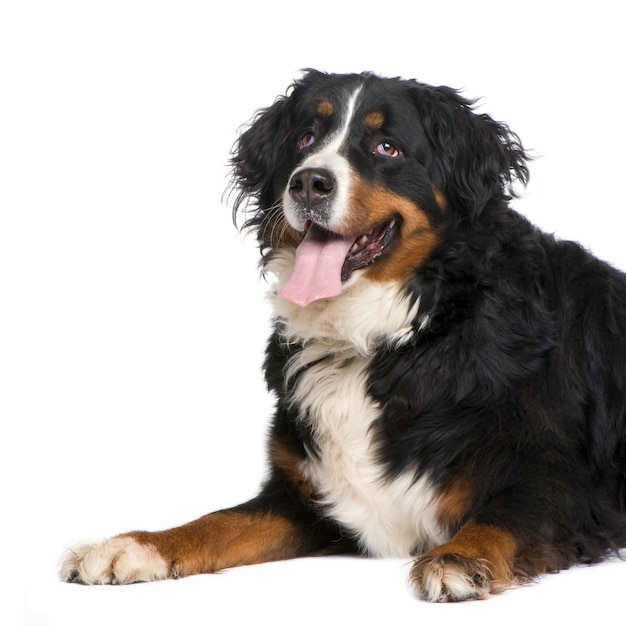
x: 518, y: 380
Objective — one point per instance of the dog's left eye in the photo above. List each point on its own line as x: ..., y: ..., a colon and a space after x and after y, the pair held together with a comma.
x: 387, y: 149
x: 308, y: 139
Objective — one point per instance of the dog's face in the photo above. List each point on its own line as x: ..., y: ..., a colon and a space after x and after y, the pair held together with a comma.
x: 364, y: 175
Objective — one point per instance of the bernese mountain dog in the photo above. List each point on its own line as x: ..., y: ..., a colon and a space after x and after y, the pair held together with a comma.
x: 450, y: 381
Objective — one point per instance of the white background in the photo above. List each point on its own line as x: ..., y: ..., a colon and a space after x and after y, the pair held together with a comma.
x: 133, y: 320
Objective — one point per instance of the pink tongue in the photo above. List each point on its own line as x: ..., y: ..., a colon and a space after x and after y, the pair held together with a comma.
x: 317, y: 270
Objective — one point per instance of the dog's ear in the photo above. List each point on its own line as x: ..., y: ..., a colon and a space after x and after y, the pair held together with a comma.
x: 475, y: 159
x: 257, y: 155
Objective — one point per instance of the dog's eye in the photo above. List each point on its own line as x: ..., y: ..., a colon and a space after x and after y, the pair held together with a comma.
x: 307, y: 140
x: 387, y: 149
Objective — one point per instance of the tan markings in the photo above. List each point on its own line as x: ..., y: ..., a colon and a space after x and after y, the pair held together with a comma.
x: 288, y: 462
x: 440, y: 198
x: 477, y: 561
x: 482, y: 541
x: 490, y: 545
x: 454, y: 502
x: 374, y: 120
x: 373, y: 205
x: 325, y: 108
x: 224, y: 539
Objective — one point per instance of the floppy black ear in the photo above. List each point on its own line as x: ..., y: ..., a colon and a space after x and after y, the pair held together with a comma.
x: 475, y: 159
x: 256, y: 158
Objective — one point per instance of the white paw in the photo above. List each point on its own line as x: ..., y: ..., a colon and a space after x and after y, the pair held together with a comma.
x: 119, y: 560
x: 451, y: 578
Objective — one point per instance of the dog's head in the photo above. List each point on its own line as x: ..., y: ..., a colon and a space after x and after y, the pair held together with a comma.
x: 364, y: 175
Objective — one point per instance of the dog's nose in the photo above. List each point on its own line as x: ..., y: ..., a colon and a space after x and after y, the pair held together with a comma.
x: 312, y: 188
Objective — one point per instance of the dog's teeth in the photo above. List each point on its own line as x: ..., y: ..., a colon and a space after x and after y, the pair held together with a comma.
x: 359, y: 243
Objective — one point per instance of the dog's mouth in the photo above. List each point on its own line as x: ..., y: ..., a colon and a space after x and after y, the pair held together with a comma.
x: 367, y: 248
x: 326, y: 260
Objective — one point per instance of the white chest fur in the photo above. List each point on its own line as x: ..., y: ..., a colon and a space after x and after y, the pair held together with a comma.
x: 390, y: 518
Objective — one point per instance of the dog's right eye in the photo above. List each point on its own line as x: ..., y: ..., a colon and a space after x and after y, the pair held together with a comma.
x: 307, y: 140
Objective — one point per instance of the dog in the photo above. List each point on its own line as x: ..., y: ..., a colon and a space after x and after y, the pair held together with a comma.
x: 450, y: 381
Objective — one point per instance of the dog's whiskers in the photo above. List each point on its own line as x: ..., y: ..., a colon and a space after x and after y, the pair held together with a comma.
x: 274, y: 225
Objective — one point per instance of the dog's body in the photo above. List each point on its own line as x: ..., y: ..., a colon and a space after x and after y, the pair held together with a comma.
x: 450, y: 381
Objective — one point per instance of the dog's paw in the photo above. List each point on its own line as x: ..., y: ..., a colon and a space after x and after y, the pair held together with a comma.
x: 119, y: 560
x: 451, y: 578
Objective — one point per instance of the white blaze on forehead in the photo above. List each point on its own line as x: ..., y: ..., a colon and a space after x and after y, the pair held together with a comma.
x: 329, y: 157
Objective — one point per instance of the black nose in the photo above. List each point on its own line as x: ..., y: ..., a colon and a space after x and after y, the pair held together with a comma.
x: 312, y: 189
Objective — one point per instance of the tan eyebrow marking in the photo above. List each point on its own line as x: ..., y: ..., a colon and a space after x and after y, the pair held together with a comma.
x: 374, y: 120
x: 325, y: 108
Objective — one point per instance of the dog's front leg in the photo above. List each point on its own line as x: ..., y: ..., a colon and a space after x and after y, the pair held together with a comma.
x: 282, y: 522
x: 239, y: 536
